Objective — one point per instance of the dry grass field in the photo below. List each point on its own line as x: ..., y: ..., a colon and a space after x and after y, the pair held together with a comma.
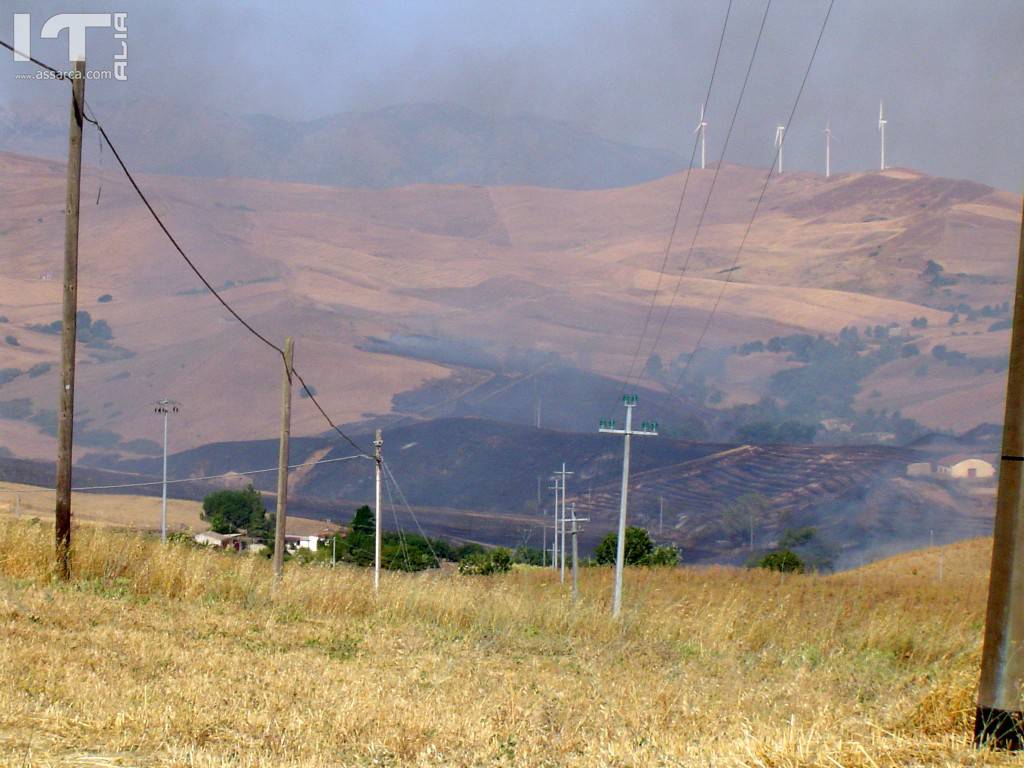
x: 158, y: 656
x: 123, y: 511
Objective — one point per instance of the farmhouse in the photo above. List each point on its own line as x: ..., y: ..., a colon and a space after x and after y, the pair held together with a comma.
x: 293, y: 543
x: 919, y: 469
x: 234, y: 541
x: 965, y: 467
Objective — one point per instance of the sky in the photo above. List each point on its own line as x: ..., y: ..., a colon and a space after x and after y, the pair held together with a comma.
x: 950, y: 72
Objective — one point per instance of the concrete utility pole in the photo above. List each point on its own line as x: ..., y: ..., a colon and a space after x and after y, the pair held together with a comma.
x: 999, y: 720
x: 69, y: 328
x: 282, y: 460
x: 378, y: 443
x: 647, y: 428
x: 166, y: 407
x: 544, y: 546
x: 560, y: 523
x: 575, y: 550
x: 554, y: 544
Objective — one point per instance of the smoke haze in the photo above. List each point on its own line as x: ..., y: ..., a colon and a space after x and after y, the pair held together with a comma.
x: 949, y: 72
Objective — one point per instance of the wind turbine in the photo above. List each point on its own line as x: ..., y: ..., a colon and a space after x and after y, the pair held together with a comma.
x: 702, y: 129
x: 881, y: 129
x: 779, y: 132
x: 828, y: 149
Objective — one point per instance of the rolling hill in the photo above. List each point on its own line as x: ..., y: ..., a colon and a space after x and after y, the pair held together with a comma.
x: 423, y: 301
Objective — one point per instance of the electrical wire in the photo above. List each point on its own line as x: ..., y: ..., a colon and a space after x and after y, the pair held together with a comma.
x: 757, y: 206
x: 398, y: 526
x: 405, y: 501
x: 714, y: 179
x: 82, y: 109
x: 679, y: 209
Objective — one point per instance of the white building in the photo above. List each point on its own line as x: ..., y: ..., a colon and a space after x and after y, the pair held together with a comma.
x: 293, y: 543
x: 961, y: 467
x: 221, y: 540
x: 919, y: 469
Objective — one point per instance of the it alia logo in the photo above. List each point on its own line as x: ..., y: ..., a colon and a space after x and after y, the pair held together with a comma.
x: 76, y: 25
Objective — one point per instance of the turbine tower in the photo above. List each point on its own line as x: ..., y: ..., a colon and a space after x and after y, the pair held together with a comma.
x: 779, y: 133
x: 828, y: 149
x: 881, y: 130
x: 702, y: 129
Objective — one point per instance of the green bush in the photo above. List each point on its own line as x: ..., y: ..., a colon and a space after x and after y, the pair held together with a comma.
x: 638, y: 547
x: 783, y: 561
x: 663, y: 556
x: 497, y: 560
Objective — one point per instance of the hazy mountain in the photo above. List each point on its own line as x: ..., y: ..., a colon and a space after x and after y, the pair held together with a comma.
x: 406, y: 144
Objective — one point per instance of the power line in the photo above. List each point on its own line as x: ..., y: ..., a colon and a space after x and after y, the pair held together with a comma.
x: 181, y: 251
x: 757, y: 205
x: 679, y: 209
x: 398, y: 526
x: 405, y: 501
x: 190, y: 479
x: 714, y: 179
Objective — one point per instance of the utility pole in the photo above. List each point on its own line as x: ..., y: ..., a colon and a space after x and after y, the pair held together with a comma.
x: 544, y: 546
x: 69, y: 328
x: 828, y: 149
x: 282, y: 460
x: 999, y: 720
x: 575, y: 551
x: 378, y: 443
x: 647, y: 428
x: 166, y: 407
x: 554, y: 545
x: 560, y: 523
x: 661, y: 514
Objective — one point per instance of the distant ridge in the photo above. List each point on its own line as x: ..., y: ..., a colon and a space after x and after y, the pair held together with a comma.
x: 389, y: 147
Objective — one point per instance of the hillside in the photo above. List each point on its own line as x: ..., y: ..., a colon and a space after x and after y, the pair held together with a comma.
x: 479, y: 480
x: 175, y: 655
x: 424, y: 143
x: 414, y: 300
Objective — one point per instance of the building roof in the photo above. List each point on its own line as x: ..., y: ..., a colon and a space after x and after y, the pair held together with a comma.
x: 956, y: 458
x: 214, y: 536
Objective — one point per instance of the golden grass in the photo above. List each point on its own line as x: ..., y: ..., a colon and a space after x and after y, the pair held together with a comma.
x: 180, y: 656
x: 124, y: 511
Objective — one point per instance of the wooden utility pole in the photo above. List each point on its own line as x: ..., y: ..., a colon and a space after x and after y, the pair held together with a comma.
x: 999, y: 720
x: 282, y: 460
x: 69, y: 329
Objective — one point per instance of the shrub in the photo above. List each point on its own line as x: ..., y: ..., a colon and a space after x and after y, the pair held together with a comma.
x: 105, y: 298
x: 12, y: 340
x: 663, y: 556
x: 783, y: 561
x: 638, y: 547
x: 497, y: 560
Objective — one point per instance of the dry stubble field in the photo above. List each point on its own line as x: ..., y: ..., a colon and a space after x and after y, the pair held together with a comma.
x: 178, y: 656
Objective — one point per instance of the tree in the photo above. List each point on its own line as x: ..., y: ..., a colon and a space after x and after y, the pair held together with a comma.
x: 638, y: 547
x: 230, y: 511
x: 363, y: 521
x: 783, y: 561
x: 359, y: 542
